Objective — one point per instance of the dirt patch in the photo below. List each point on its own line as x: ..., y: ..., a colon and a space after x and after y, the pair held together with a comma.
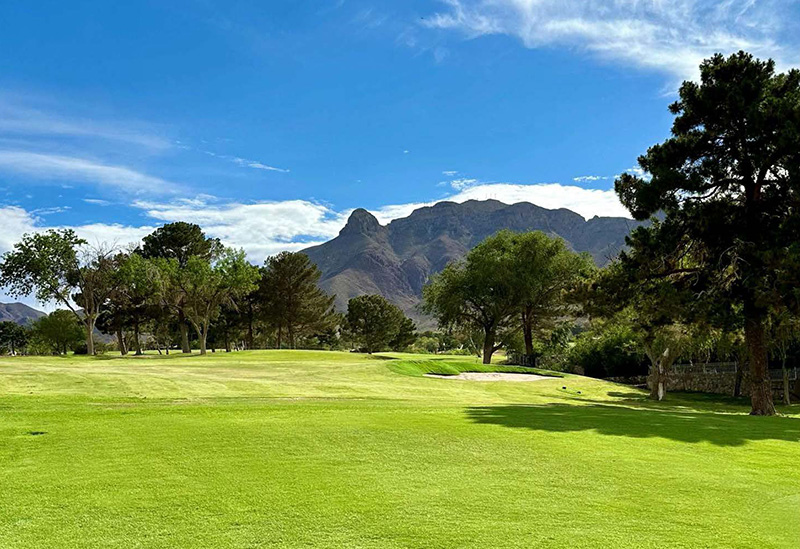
x: 492, y: 376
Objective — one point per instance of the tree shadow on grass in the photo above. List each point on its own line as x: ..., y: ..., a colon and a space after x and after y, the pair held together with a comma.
x: 700, y: 402
x: 682, y: 426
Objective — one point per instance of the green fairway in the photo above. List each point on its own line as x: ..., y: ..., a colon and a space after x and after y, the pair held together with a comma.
x: 318, y: 449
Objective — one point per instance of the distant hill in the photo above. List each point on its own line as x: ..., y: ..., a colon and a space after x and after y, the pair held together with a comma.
x: 19, y: 313
x: 396, y: 260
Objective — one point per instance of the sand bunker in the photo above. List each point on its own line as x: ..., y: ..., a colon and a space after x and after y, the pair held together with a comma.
x: 491, y: 376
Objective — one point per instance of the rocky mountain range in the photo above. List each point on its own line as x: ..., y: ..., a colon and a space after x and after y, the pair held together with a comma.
x: 397, y: 259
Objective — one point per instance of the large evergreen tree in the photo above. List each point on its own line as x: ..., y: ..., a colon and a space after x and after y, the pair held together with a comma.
x: 291, y: 300
x: 374, y: 324
x: 727, y: 183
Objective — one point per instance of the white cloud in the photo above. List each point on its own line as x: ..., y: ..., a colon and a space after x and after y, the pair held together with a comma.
x: 463, y: 183
x: 52, y: 166
x: 586, y: 202
x: 585, y: 178
x: 669, y: 36
x: 258, y: 165
x: 97, y: 201
x: 51, y: 210
x: 14, y: 222
x: 243, y: 161
x: 262, y: 229
x: 450, y: 173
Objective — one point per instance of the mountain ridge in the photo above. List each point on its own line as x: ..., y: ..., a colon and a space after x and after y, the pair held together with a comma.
x: 19, y: 312
x: 397, y: 259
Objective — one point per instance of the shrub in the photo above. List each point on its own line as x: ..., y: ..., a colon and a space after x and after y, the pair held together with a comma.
x: 608, y: 352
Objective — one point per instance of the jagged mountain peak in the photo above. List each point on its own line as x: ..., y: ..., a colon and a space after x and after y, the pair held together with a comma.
x: 361, y: 222
x: 397, y: 260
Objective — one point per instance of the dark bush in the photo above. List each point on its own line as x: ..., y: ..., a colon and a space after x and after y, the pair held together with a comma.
x: 80, y: 349
x: 611, y: 352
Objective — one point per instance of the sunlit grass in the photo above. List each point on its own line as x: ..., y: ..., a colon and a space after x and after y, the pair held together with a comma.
x: 314, y: 449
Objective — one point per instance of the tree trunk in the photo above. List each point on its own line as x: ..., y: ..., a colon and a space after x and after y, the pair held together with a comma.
x: 250, y: 337
x: 488, y: 346
x: 755, y: 338
x: 185, y: 348
x: 280, y: 333
x: 527, y: 332
x: 123, y: 350
x: 136, y: 343
x: 658, y: 381
x: 658, y: 375
x: 89, y: 335
x: 201, y: 334
x: 227, y: 343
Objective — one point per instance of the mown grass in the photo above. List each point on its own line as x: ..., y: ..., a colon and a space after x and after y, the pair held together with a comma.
x: 452, y: 366
x: 307, y: 449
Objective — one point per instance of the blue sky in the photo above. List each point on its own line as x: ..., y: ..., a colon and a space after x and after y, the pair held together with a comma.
x: 268, y: 122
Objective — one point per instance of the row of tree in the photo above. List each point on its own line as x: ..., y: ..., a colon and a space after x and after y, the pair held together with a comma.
x: 180, y: 286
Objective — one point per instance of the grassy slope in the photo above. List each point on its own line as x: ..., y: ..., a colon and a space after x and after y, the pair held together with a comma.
x: 302, y: 449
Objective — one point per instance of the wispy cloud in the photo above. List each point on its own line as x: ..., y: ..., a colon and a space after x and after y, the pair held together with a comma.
x: 20, y: 119
x: 51, y: 210
x: 589, y: 178
x: 668, y: 36
x: 48, y: 167
x: 255, y: 164
x: 97, y: 201
x: 463, y: 183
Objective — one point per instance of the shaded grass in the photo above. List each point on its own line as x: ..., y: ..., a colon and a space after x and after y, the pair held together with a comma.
x: 305, y: 449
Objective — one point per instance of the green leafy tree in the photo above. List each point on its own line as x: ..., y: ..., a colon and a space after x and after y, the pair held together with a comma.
x: 204, y: 286
x: 13, y: 337
x: 650, y: 307
x: 58, y: 266
x: 59, y: 331
x: 180, y: 241
x: 137, y: 291
x: 725, y: 183
x: 375, y: 325
x: 477, y: 293
x: 112, y: 321
x: 290, y: 299
x: 544, y: 271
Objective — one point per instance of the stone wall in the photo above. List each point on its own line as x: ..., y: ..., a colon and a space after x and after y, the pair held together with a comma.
x: 716, y: 382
